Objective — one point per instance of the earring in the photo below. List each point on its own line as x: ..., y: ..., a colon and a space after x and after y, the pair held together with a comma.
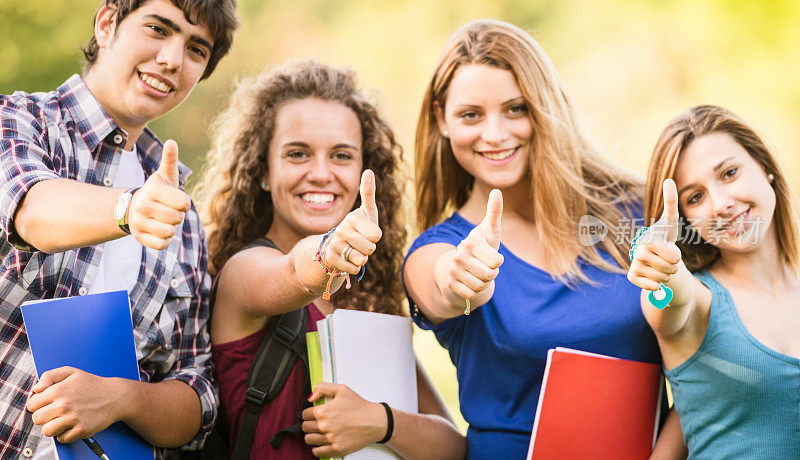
x: 264, y: 185
x: 770, y: 177
x: 446, y: 133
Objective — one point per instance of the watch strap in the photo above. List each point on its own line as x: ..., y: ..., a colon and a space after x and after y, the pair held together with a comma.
x: 123, y: 222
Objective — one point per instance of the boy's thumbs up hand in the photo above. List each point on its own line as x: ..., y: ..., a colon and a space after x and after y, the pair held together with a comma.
x: 168, y: 169
x: 160, y: 204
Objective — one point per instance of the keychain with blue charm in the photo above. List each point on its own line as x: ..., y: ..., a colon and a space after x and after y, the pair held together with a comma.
x: 662, y: 296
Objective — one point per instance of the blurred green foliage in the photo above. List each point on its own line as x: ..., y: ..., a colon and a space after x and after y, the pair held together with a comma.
x: 630, y: 65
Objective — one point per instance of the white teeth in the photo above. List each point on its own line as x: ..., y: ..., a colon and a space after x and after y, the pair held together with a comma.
x: 154, y: 83
x: 739, y: 219
x: 317, y: 198
x: 499, y: 155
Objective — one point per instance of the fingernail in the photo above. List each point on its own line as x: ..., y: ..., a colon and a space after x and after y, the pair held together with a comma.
x: 310, y: 396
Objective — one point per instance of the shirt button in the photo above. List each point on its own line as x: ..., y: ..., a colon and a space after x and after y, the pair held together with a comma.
x: 27, y: 453
x: 107, y: 182
x: 174, y: 283
x: 82, y: 291
x: 118, y: 138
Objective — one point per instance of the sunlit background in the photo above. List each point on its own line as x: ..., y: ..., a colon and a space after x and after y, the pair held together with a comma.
x: 631, y: 65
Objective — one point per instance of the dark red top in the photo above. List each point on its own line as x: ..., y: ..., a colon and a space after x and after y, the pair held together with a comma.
x: 232, y: 362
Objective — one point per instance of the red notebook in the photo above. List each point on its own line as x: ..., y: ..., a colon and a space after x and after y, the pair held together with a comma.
x: 596, y: 407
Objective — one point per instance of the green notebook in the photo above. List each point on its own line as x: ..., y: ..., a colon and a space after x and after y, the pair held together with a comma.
x: 314, y: 365
x: 372, y: 354
x: 314, y: 362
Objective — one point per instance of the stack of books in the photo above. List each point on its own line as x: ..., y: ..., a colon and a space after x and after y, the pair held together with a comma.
x: 372, y: 354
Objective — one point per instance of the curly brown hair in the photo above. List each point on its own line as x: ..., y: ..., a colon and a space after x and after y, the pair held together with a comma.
x: 237, y: 210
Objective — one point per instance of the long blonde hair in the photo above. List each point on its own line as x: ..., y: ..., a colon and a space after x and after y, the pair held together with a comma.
x: 676, y: 137
x: 237, y: 210
x: 569, y: 176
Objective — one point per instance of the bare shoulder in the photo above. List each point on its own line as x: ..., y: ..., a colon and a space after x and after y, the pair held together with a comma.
x: 238, y: 283
x: 245, y: 268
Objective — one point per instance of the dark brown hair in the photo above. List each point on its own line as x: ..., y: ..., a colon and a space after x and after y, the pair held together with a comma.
x: 676, y: 137
x: 237, y: 210
x: 218, y: 16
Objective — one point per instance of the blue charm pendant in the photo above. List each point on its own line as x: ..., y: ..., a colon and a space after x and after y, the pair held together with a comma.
x: 660, y: 298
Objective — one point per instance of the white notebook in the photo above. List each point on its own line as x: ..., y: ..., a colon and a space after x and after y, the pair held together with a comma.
x: 372, y: 354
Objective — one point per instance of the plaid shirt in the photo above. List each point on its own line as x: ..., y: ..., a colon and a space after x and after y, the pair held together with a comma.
x: 67, y: 134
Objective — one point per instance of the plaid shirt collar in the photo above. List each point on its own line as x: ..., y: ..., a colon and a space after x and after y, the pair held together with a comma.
x: 94, y: 124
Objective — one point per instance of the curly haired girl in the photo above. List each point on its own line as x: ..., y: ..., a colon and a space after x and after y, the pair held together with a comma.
x: 299, y: 152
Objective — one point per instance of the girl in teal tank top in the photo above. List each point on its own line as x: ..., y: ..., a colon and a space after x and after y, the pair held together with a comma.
x: 730, y: 334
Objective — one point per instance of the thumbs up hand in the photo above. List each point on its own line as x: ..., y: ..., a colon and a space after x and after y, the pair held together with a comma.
x: 476, y: 261
x: 355, y: 238
x: 656, y: 257
x: 667, y: 226
x: 160, y: 204
x: 489, y: 228
x: 168, y: 169
x: 367, y: 192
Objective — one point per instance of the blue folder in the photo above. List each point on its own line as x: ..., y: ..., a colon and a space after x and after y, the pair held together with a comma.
x: 93, y: 333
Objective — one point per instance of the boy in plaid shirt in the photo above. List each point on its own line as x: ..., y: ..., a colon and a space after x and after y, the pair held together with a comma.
x: 91, y: 201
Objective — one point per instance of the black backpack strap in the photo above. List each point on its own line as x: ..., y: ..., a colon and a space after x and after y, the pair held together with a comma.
x: 265, y: 363
x: 284, y: 343
x: 297, y: 428
x: 260, y: 242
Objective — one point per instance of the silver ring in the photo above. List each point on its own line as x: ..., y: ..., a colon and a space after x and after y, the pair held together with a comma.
x: 346, y: 253
x: 466, y: 310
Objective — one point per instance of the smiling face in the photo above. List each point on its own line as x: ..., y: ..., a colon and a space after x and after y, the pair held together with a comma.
x: 315, y: 164
x: 148, y: 63
x: 486, y: 119
x: 724, y: 193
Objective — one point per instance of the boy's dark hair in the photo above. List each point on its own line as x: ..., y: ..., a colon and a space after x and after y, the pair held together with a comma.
x: 218, y: 16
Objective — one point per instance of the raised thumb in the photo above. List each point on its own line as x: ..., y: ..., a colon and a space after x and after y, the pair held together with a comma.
x: 669, y: 218
x: 491, y: 221
x: 367, y: 190
x: 168, y: 169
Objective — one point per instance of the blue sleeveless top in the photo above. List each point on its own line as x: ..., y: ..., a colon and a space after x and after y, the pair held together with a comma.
x: 736, y: 397
x: 500, y: 350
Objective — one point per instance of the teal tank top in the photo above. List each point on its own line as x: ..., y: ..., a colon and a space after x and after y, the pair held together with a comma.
x: 736, y: 397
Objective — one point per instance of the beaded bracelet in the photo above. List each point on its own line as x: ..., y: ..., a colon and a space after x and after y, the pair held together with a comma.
x: 321, y: 257
x: 326, y: 266
x: 662, y: 296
